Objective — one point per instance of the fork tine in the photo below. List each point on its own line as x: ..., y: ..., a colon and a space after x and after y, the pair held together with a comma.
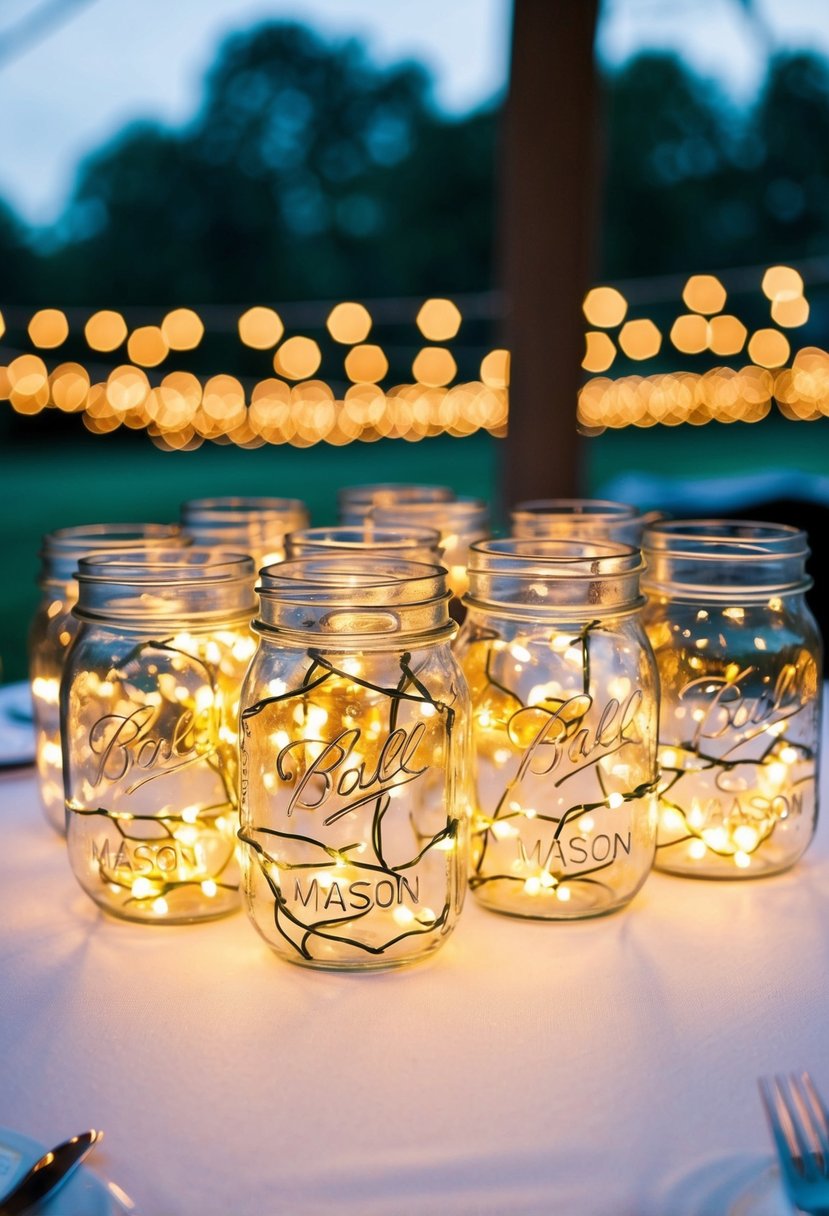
x: 805, y: 1146
x: 820, y: 1119
x: 781, y: 1129
x: 804, y: 1120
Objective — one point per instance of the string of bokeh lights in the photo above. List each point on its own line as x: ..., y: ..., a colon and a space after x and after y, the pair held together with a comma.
x: 180, y: 410
x: 296, y: 407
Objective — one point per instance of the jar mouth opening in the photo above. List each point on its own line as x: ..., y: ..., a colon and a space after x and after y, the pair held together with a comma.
x: 82, y: 539
x: 553, y: 559
x: 458, y: 511
x: 238, y: 510
x: 724, y: 540
x: 360, y: 537
x: 342, y: 578
x: 593, y: 508
x: 389, y: 493
x: 165, y: 567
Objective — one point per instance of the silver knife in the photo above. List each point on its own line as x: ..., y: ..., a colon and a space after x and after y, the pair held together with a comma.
x: 47, y: 1174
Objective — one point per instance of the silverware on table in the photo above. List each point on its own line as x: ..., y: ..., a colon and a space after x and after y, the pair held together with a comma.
x: 800, y: 1128
x: 48, y: 1174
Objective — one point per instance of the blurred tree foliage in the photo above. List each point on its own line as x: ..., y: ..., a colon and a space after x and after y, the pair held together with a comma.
x: 309, y: 172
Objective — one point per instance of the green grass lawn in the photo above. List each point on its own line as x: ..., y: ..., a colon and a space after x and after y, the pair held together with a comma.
x: 51, y: 483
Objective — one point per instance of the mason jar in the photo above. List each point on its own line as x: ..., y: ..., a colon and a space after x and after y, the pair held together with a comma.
x: 149, y: 727
x: 564, y: 698
x: 354, y: 760
x: 580, y: 519
x: 53, y: 627
x: 357, y: 502
x: 460, y: 524
x: 255, y: 526
x: 410, y: 544
x: 740, y: 661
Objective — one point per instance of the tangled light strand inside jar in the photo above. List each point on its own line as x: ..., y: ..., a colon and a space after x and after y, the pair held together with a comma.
x: 410, y: 544
x: 149, y: 722
x: 740, y: 662
x: 580, y: 519
x: 357, y: 502
x: 564, y: 713
x: 460, y: 524
x: 255, y: 526
x: 53, y: 629
x: 354, y: 754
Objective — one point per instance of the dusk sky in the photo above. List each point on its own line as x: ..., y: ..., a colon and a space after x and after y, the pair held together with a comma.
x: 111, y: 61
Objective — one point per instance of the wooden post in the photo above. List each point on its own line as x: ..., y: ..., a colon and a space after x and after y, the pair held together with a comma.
x: 547, y: 227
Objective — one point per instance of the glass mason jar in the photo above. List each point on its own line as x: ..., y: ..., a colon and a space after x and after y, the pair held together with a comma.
x: 149, y: 726
x: 53, y: 628
x: 255, y: 526
x: 410, y: 544
x: 460, y: 524
x: 354, y: 762
x: 580, y: 519
x: 740, y: 661
x: 564, y: 699
x: 357, y: 502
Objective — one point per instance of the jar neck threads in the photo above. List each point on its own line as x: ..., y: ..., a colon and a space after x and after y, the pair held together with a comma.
x: 63, y: 549
x: 365, y: 600
x: 165, y: 588
x: 554, y: 579
x: 721, y: 559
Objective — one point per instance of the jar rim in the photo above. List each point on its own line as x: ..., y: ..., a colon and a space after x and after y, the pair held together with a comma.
x: 359, y: 538
x: 81, y: 538
x: 594, y: 508
x: 398, y: 492
x: 322, y: 576
x: 724, y: 539
x: 164, y: 567
x: 238, y: 509
x: 554, y: 558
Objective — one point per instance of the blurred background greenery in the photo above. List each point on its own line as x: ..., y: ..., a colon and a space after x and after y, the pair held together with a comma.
x: 310, y: 172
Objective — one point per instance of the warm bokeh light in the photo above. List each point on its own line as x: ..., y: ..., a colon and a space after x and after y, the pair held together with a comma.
x: 790, y: 312
x: 27, y: 375
x: 640, y: 339
x: 297, y: 358
x: 126, y: 388
x: 605, y: 307
x: 349, y: 323
x: 147, y: 346
x: 782, y: 283
x: 183, y: 329
x: 495, y: 369
x: 439, y: 320
x: 69, y: 384
x: 2, y: 325
x: 366, y: 364
x: 768, y: 348
x: 260, y: 328
x: 105, y: 330
x: 434, y: 366
x: 704, y: 293
x: 726, y: 335
x: 600, y: 351
x: 689, y: 333
x: 48, y: 328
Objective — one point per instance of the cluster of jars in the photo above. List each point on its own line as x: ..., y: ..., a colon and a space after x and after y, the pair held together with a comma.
x: 322, y: 740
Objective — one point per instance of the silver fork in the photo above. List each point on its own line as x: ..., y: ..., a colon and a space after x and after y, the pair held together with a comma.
x: 800, y: 1127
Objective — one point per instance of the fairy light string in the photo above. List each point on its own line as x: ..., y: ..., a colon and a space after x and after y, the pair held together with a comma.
x: 310, y: 935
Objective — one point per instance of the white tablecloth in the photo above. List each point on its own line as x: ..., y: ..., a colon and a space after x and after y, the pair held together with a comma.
x: 602, y: 1067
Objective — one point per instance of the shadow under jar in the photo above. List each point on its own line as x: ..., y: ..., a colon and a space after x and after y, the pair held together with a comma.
x: 354, y: 761
x: 149, y: 726
x: 54, y: 627
x: 255, y: 526
x: 740, y: 662
x: 564, y: 699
